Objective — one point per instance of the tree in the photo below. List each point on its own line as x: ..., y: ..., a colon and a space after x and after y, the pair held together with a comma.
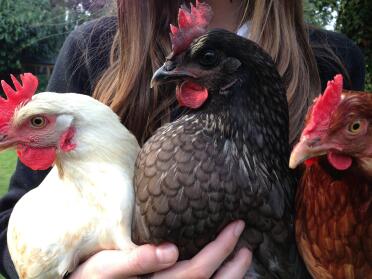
x: 354, y: 20
x: 320, y: 13
x: 37, y: 28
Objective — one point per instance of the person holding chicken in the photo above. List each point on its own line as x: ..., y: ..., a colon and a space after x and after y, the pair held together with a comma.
x: 122, y: 81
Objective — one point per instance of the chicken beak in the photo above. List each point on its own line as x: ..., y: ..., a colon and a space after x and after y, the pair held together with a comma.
x: 306, y: 149
x: 170, y: 72
x: 6, y: 142
x: 298, y: 155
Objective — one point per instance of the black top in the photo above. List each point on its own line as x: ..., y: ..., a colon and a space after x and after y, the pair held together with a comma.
x: 82, y: 60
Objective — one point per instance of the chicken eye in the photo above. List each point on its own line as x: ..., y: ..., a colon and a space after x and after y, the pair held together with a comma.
x: 38, y: 122
x: 209, y: 58
x: 355, y: 127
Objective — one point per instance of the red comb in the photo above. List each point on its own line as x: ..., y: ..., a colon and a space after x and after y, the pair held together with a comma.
x: 191, y: 25
x: 15, y: 98
x: 326, y: 104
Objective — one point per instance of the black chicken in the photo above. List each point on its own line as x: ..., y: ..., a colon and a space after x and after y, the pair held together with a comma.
x: 226, y: 159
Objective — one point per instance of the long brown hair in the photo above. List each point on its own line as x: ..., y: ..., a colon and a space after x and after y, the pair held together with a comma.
x: 142, y: 43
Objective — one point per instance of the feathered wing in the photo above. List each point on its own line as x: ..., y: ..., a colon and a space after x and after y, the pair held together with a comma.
x: 55, y: 226
x: 178, y: 189
x: 47, y: 253
x: 190, y: 183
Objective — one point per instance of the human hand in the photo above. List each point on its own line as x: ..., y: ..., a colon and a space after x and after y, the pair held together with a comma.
x: 112, y: 264
x: 161, y: 260
x: 211, y: 257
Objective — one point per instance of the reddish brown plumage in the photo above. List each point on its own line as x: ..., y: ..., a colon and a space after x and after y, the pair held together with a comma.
x: 334, y: 207
x: 333, y: 223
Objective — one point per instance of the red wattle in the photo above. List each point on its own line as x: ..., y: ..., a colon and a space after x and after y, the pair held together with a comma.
x: 191, y: 95
x: 339, y: 161
x: 311, y: 161
x: 37, y: 158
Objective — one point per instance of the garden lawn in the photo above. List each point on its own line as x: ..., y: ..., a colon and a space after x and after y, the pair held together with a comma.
x: 7, y: 164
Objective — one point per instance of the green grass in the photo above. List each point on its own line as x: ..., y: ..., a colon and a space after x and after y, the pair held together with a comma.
x: 7, y: 164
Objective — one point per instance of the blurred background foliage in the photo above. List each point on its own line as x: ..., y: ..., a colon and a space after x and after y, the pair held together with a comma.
x: 350, y: 17
x: 32, y: 32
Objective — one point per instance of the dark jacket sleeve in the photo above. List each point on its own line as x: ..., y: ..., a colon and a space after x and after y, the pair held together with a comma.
x: 76, y: 70
x: 335, y: 53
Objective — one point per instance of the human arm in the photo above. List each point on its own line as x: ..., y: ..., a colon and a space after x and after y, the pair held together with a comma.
x: 335, y: 53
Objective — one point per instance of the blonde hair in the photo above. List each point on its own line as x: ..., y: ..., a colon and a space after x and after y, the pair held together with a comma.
x: 278, y: 27
x: 142, y: 43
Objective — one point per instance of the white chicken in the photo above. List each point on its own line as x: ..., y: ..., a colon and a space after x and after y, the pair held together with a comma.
x: 85, y: 203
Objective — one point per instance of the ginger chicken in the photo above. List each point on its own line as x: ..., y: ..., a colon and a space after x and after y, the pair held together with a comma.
x: 334, y: 199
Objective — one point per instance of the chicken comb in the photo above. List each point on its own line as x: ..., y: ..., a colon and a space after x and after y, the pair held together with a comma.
x: 326, y: 104
x: 191, y: 25
x: 15, y: 98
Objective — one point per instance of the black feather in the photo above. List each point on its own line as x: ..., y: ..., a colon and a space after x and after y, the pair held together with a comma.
x: 227, y: 160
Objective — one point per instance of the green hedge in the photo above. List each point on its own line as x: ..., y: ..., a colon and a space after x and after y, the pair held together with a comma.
x: 36, y: 29
x: 354, y: 20
x: 352, y: 17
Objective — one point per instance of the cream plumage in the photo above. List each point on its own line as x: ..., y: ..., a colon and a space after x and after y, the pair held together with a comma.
x: 85, y: 203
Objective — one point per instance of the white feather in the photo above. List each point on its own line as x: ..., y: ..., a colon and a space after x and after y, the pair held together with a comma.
x: 85, y: 204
